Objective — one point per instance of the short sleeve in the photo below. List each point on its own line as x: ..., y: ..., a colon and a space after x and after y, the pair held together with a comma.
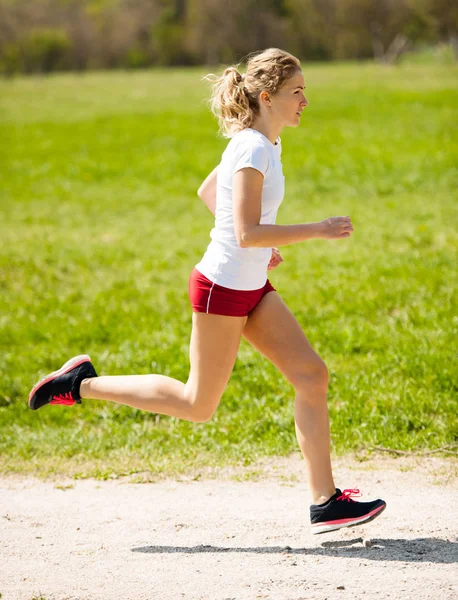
x: 254, y: 156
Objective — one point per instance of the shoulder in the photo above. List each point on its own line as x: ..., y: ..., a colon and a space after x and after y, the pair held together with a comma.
x: 246, y: 139
x: 249, y: 150
x: 249, y: 143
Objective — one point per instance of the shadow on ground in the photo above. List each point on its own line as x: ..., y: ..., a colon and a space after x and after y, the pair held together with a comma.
x: 432, y: 550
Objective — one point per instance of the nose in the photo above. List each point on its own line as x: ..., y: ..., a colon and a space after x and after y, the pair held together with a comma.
x: 304, y: 102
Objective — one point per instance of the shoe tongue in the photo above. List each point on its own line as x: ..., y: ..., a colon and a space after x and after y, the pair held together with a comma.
x: 336, y: 495
x: 332, y: 498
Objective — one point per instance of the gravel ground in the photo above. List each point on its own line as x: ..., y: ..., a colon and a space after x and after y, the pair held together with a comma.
x: 223, y: 539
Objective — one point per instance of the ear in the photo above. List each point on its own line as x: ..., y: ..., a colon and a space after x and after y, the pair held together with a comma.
x: 264, y: 97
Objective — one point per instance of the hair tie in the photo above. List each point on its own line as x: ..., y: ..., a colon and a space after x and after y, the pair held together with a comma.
x: 241, y: 83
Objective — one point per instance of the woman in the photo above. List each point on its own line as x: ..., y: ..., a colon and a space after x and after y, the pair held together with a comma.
x: 229, y: 290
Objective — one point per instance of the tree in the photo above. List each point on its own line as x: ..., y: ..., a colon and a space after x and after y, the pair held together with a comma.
x: 388, y: 26
x: 445, y: 15
x: 224, y: 32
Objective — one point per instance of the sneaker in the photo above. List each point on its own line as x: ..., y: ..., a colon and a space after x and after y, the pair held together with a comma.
x: 341, y: 511
x: 62, y: 386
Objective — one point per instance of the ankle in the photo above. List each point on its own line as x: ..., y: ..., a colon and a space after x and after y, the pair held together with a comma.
x: 322, y: 498
x: 84, y: 387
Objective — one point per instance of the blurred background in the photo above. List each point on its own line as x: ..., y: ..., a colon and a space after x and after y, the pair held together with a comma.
x: 39, y: 36
x: 105, y: 137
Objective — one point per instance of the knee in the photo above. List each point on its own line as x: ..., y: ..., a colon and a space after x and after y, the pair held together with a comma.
x: 313, y: 374
x: 201, y: 407
x: 201, y: 414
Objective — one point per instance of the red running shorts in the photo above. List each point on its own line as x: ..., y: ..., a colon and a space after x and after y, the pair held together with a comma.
x: 214, y: 299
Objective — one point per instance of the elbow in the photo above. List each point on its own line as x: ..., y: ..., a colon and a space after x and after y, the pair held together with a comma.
x: 248, y: 237
x: 243, y: 239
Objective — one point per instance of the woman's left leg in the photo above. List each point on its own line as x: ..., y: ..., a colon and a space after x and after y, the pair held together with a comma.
x: 273, y: 330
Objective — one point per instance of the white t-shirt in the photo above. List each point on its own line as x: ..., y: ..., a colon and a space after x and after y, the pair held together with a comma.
x: 225, y: 262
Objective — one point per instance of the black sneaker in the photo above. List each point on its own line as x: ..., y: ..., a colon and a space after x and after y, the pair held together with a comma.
x: 62, y: 386
x: 341, y: 511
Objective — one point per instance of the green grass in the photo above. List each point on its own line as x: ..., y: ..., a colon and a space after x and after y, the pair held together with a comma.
x: 100, y: 226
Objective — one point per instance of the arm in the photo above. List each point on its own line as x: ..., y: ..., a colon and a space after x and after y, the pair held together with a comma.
x: 247, y: 195
x: 207, y: 191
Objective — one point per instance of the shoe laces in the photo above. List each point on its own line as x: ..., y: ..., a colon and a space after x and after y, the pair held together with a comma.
x: 348, y: 493
x: 63, y: 399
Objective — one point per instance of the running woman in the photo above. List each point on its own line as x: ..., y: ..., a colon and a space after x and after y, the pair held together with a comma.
x: 229, y: 291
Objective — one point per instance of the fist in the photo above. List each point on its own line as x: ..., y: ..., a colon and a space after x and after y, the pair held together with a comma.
x: 337, y: 227
x: 275, y: 259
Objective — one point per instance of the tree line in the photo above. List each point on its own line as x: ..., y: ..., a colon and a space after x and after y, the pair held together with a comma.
x: 40, y: 36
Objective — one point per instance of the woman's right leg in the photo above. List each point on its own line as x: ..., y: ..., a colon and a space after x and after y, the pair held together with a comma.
x: 213, y: 349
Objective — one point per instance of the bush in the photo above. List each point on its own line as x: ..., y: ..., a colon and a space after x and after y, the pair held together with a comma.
x: 11, y: 60
x: 45, y: 50
x: 137, y: 58
x: 38, y: 51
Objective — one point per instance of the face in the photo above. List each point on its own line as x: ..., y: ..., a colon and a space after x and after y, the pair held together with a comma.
x: 289, y: 102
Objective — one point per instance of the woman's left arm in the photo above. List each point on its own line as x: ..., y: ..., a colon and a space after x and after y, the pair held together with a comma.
x: 207, y: 191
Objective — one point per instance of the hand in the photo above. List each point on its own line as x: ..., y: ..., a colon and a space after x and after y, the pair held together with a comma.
x: 336, y: 228
x: 275, y: 259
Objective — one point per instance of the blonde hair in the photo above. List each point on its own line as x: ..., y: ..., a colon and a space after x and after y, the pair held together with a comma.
x: 235, y: 97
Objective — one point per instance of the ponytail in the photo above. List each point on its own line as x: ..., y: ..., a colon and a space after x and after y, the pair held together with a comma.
x: 230, y: 102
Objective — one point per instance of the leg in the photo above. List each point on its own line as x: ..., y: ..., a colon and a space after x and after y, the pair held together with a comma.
x: 273, y: 330
x: 214, y: 344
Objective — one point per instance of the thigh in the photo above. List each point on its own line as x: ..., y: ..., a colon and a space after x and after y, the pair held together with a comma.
x: 215, y: 340
x: 274, y: 331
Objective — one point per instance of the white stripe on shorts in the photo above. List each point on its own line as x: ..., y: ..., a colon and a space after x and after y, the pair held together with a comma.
x: 209, y: 296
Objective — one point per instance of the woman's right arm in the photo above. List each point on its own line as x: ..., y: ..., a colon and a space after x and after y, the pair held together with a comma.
x: 207, y: 191
x: 247, y: 194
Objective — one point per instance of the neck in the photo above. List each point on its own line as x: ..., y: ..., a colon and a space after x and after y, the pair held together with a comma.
x: 270, y: 130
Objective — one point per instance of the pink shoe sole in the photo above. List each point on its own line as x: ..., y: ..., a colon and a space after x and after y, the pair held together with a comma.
x: 334, y: 525
x: 68, y: 366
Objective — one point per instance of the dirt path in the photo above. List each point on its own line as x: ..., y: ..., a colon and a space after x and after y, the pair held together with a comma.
x: 220, y: 539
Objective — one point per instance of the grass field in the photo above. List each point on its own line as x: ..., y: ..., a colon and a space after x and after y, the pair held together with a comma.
x: 100, y: 226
